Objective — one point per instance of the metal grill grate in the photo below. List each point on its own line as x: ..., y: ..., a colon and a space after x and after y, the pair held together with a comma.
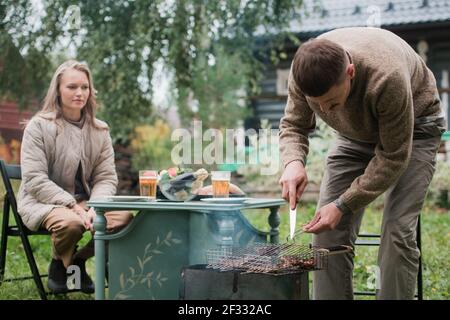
x: 271, y: 258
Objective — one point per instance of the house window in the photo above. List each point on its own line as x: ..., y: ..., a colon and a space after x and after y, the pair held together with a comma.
x: 282, y: 82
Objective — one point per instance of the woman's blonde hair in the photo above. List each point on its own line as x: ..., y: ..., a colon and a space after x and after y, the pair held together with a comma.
x: 52, y: 108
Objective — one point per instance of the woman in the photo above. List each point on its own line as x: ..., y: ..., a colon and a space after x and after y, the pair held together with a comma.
x: 67, y: 158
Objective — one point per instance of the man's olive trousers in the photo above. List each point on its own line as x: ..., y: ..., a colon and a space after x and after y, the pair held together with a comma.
x: 398, y: 256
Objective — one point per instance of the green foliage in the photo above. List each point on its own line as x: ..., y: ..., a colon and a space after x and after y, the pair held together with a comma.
x: 435, y: 237
x: 225, y: 32
x: 253, y: 173
x: 121, y: 41
x: 318, y: 148
x: 440, y: 184
x: 315, y: 167
x: 151, y: 147
x: 219, y: 91
x: 10, y: 152
x: 24, y: 69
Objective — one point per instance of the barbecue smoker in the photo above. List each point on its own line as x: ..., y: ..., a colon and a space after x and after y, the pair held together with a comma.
x: 260, y: 271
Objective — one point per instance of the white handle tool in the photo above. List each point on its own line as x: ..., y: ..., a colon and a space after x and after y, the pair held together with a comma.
x: 292, y: 221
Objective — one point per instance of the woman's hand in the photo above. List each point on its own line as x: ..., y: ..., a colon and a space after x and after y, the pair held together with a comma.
x: 79, y: 210
x: 86, y: 216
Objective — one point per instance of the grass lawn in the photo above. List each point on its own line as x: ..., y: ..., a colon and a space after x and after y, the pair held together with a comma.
x: 435, y: 235
x: 435, y: 247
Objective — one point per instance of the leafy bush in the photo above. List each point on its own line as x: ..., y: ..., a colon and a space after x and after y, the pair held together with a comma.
x: 319, y: 143
x: 151, y: 146
x: 315, y: 167
x: 10, y: 152
x: 440, y: 185
x: 252, y: 173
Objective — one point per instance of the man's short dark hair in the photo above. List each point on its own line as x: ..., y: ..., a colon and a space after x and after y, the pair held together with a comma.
x: 318, y: 65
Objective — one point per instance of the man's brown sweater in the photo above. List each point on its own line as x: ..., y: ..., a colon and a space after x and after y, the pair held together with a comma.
x: 392, y: 90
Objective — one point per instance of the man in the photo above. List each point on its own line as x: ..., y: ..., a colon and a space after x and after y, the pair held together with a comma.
x: 377, y: 93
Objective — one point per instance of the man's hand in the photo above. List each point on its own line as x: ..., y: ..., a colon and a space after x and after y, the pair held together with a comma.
x: 327, y: 218
x: 293, y: 181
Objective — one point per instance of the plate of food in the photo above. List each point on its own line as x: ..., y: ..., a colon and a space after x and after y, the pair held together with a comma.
x: 181, y: 184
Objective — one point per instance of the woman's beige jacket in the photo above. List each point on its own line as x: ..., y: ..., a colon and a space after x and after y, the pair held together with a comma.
x: 50, y: 156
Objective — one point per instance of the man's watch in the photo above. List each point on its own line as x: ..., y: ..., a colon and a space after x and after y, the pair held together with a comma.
x: 341, y: 206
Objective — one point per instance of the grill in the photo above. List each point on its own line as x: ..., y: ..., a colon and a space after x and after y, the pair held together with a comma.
x: 201, y: 283
x: 277, y: 259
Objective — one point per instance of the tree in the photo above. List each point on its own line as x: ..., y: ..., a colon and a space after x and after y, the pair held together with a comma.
x: 211, y: 48
x: 24, y: 69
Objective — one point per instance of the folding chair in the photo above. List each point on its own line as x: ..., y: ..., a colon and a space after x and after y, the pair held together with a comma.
x: 13, y: 172
x: 374, y: 240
